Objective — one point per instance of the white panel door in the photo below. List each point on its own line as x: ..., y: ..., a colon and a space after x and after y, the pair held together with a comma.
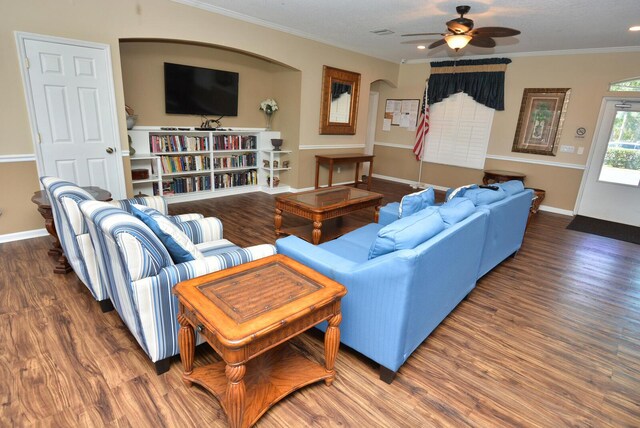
x: 611, y: 187
x: 71, y: 96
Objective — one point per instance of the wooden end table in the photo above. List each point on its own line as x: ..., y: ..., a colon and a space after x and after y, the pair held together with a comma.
x: 499, y: 176
x: 323, y: 204
x: 247, y: 314
x: 356, y: 158
x: 41, y: 199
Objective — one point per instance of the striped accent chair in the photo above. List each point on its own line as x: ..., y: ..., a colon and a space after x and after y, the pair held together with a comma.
x: 140, y: 274
x: 74, y: 234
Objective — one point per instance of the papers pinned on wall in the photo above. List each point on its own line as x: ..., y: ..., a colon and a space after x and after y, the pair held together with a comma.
x: 402, y: 113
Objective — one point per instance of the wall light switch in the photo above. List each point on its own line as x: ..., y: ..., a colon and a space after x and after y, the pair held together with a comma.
x: 580, y: 150
x: 567, y: 149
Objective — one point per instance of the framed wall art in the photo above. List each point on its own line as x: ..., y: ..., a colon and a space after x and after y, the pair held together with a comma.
x: 540, y: 122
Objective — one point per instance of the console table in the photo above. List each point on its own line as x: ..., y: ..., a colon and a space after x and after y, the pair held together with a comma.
x: 247, y: 314
x: 356, y: 158
x: 41, y: 199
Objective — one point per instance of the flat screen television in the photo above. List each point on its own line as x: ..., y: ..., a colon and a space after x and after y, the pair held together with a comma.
x: 201, y: 91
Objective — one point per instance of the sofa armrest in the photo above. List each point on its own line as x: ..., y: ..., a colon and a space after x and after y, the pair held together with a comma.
x: 202, y: 230
x: 181, y: 218
x: 313, y: 256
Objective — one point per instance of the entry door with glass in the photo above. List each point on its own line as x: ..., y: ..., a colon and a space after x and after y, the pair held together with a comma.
x: 611, y: 190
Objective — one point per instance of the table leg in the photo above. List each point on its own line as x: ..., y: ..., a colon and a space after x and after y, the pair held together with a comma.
x: 186, y: 341
x: 370, y: 174
x: 277, y: 220
x: 317, y: 225
x: 355, y: 183
x: 235, y: 394
x: 330, y: 172
x: 376, y: 215
x: 331, y: 345
x: 317, y: 172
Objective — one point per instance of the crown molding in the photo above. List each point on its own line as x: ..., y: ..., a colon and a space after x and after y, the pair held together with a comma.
x: 620, y: 49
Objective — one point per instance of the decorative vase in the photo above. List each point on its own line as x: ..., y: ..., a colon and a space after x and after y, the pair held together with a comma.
x: 269, y: 117
x: 276, y: 143
x: 132, y: 151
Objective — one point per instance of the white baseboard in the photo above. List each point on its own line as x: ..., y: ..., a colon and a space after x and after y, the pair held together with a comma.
x: 27, y: 234
x: 556, y: 210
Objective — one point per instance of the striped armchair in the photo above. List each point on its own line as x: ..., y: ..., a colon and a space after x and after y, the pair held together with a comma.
x: 140, y: 274
x: 74, y: 235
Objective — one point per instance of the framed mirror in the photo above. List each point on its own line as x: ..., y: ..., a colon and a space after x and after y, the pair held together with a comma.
x: 339, y: 101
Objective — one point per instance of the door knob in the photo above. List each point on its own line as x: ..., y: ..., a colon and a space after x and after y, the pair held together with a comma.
x: 109, y: 150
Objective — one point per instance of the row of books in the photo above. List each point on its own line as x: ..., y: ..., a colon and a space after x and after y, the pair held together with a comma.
x: 185, y: 163
x: 177, y: 143
x: 235, y: 161
x: 233, y: 179
x: 235, y: 142
x: 184, y: 185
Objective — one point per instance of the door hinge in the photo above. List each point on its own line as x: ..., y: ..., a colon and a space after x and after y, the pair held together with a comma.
x: 27, y: 63
x: 39, y: 138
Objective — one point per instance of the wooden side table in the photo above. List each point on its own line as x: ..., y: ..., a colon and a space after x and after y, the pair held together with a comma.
x: 247, y: 314
x: 41, y: 199
x: 498, y: 176
x: 356, y: 158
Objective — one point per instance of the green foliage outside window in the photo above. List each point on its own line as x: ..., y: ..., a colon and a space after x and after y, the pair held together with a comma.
x: 623, y: 158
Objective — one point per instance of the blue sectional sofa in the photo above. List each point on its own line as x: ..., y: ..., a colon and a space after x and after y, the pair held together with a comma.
x: 405, y: 274
x: 402, y: 279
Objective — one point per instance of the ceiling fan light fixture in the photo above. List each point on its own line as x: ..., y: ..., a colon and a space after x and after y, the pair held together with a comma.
x: 457, y: 41
x: 635, y: 28
x: 422, y: 47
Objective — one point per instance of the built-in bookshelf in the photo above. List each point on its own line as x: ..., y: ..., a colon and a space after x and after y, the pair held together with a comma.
x: 189, y: 164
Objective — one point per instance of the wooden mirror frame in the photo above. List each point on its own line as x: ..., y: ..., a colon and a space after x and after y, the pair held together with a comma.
x: 330, y: 75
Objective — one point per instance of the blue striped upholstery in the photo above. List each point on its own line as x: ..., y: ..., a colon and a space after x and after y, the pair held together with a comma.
x: 140, y: 274
x: 74, y: 236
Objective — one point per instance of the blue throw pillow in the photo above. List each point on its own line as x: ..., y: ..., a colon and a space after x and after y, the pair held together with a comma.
x: 457, y: 209
x: 511, y: 187
x: 407, y: 232
x: 414, y: 202
x: 482, y: 196
x: 179, y: 246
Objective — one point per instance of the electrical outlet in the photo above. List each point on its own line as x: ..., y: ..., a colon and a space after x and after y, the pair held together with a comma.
x: 339, y: 170
x: 580, y: 150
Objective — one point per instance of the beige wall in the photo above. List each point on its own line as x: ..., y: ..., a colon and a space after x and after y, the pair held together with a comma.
x: 588, y: 76
x: 109, y: 21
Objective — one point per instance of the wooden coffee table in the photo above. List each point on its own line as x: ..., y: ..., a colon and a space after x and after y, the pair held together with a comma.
x: 323, y: 204
x: 247, y: 314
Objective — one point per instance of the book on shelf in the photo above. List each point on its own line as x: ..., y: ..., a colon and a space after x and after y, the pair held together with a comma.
x: 234, y: 142
x: 233, y: 179
x: 172, y: 164
x: 246, y: 160
x: 178, y: 143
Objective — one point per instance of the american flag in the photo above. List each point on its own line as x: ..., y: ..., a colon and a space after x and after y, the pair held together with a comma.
x: 423, y: 126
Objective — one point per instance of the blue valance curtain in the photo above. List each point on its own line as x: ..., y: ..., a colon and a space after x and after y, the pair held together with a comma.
x: 337, y: 89
x: 481, y: 79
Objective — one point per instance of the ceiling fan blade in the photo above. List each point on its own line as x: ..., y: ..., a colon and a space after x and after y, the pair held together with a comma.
x: 422, y: 34
x: 495, y: 32
x: 436, y: 44
x: 482, y: 42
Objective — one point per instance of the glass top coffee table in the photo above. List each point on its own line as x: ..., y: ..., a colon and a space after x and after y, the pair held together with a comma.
x: 323, y: 204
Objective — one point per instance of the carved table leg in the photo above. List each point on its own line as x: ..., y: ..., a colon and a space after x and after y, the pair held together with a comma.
x: 317, y: 232
x: 331, y: 345
x: 277, y: 220
x: 235, y: 394
x: 56, y: 249
x: 376, y: 215
x: 186, y: 341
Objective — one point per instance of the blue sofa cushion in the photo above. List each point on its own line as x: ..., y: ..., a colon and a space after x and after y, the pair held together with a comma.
x: 179, y: 246
x: 511, y: 187
x: 456, y: 210
x: 348, y: 250
x: 414, y: 202
x: 481, y: 196
x: 407, y: 232
x: 458, y: 191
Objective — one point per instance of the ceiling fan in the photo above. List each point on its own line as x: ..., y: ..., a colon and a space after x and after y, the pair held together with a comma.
x: 461, y: 32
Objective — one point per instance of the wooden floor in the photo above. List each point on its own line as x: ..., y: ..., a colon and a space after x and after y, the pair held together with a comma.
x: 549, y: 338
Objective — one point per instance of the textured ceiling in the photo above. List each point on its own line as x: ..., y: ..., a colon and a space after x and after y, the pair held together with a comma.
x: 546, y: 25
